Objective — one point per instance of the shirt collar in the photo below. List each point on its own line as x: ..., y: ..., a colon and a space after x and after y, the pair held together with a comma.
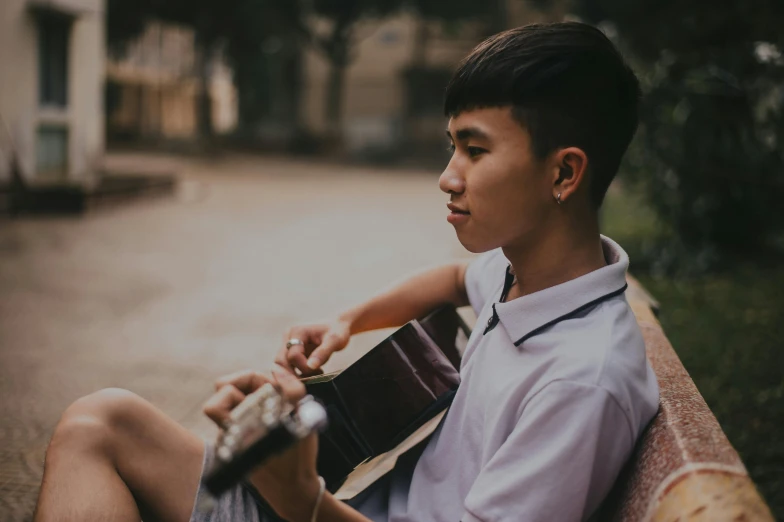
x: 526, y: 316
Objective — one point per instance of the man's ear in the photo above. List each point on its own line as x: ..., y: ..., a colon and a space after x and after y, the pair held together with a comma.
x: 569, y: 171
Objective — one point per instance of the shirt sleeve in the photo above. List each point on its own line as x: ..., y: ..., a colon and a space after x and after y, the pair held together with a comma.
x: 484, y: 275
x: 559, y: 462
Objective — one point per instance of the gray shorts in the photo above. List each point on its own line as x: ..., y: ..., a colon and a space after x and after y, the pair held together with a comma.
x: 242, y: 503
x: 239, y: 504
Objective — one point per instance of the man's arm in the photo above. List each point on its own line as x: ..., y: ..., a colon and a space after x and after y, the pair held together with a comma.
x: 403, y: 302
x: 412, y: 299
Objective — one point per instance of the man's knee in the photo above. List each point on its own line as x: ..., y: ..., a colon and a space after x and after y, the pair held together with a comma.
x: 93, y: 421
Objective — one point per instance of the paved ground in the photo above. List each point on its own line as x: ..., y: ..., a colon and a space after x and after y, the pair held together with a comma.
x: 161, y: 297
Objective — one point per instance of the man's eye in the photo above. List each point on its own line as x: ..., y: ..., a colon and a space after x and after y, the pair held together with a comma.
x: 451, y: 148
x: 475, y: 151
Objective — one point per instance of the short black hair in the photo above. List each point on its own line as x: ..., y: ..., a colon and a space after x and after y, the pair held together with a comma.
x: 568, y: 86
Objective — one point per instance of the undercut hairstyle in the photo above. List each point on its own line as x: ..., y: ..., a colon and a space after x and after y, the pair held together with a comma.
x: 568, y: 86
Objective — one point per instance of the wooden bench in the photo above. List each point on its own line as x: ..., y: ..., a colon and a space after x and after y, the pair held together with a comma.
x: 684, y: 468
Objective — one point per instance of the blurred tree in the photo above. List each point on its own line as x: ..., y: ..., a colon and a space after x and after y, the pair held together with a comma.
x: 258, y: 40
x: 265, y: 55
x: 211, y: 22
x: 709, y: 150
x: 250, y: 29
x: 125, y: 20
x: 334, y: 40
x: 337, y: 41
x: 424, y: 79
x: 245, y: 27
x: 493, y: 14
x: 214, y: 23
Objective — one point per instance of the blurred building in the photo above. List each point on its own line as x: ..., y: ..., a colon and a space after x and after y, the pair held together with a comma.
x: 154, y: 86
x: 394, y: 88
x: 51, y: 90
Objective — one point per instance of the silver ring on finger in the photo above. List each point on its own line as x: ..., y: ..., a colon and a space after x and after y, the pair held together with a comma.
x: 293, y: 342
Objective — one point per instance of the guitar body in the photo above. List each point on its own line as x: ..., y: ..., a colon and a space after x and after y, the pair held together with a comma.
x: 362, y: 412
x: 383, y: 397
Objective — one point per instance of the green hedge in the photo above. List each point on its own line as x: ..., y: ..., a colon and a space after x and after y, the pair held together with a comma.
x: 728, y: 329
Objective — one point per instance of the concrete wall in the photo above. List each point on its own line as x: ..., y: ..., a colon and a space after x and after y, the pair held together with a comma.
x: 19, y: 102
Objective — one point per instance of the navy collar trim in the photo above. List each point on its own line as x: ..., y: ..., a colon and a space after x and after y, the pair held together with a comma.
x: 494, y: 319
x: 568, y: 315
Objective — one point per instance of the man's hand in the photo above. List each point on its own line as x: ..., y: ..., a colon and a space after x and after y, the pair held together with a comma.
x: 287, y: 481
x: 394, y: 307
x: 319, y: 342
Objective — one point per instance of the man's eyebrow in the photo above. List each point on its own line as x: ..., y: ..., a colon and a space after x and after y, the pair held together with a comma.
x: 468, y: 133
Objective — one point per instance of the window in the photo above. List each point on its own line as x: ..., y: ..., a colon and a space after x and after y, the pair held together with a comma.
x: 53, y: 36
x: 52, y: 151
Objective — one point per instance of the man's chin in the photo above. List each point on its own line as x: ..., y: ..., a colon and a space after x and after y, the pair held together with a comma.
x: 473, y: 245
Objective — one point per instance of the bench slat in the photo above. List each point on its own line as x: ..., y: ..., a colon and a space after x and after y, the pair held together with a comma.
x: 684, y: 467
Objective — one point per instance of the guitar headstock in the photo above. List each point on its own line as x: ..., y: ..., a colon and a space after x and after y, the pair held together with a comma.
x: 264, y: 424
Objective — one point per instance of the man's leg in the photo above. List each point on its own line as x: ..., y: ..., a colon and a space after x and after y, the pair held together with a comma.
x: 115, y: 457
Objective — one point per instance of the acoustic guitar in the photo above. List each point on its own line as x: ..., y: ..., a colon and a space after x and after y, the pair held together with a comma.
x: 379, y: 404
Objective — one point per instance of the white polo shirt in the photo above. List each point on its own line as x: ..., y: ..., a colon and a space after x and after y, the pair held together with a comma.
x: 552, y: 399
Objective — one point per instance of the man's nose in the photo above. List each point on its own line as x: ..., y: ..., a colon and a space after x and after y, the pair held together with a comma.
x: 451, y: 181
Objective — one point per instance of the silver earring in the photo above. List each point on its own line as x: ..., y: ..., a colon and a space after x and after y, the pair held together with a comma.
x: 558, y: 198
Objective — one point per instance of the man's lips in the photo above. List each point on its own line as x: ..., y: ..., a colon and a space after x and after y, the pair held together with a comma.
x: 457, y: 210
x: 458, y: 214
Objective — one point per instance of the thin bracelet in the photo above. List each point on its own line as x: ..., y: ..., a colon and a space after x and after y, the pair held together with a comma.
x: 322, y: 487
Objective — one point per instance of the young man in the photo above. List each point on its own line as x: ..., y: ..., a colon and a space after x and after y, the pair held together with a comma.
x: 555, y: 387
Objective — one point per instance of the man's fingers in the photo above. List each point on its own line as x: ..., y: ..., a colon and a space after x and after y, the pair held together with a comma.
x: 219, y: 406
x: 322, y: 354
x: 296, y: 358
x: 247, y: 381
x: 299, y: 360
x: 295, y: 354
x: 282, y: 360
x: 289, y: 385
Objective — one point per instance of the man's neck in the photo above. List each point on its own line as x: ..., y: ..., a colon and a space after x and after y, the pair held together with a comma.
x: 556, y: 259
